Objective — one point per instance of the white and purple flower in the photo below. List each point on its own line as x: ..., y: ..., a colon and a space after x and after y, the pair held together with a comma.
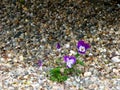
x: 40, y: 63
x: 82, y: 47
x: 70, y: 60
x: 58, y: 46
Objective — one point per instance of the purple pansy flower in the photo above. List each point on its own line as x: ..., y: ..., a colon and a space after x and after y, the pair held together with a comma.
x: 39, y: 63
x: 58, y: 46
x: 70, y: 60
x: 82, y: 47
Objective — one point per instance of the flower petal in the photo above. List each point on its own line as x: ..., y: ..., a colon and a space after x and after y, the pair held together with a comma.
x: 58, y: 46
x: 39, y: 63
x: 73, y: 59
x: 80, y: 43
x: 66, y: 58
x: 70, y: 60
x: 87, y: 45
x: 69, y: 65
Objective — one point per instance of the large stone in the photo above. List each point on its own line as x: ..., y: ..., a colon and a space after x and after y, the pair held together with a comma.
x: 115, y: 59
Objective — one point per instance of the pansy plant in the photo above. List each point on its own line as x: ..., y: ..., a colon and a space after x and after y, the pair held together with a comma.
x: 70, y: 62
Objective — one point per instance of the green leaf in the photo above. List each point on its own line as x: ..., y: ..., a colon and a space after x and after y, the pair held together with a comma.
x: 53, y: 79
x: 55, y: 71
x: 63, y: 78
x: 77, y: 55
x: 80, y: 62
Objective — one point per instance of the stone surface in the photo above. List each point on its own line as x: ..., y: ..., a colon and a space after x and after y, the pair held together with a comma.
x: 30, y: 30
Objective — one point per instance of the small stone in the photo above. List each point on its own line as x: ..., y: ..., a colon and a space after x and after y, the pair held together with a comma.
x: 104, y: 50
x: 116, y: 71
x: 115, y: 59
x: 74, y: 83
x: 101, y: 87
x: 15, y: 60
x: 2, y: 59
x: 71, y: 78
x: 90, y: 54
x: 77, y: 79
x: 118, y: 5
x: 9, y: 55
x: 72, y: 52
x: 18, y: 34
x: 93, y: 86
x: 118, y: 87
x: 21, y: 58
x: 43, y: 40
x: 87, y: 74
x: 26, y: 20
x: 11, y: 88
x: 58, y: 87
x: 67, y: 45
x: 62, y: 70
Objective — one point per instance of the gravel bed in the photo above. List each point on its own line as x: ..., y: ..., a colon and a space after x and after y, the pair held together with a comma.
x: 30, y: 30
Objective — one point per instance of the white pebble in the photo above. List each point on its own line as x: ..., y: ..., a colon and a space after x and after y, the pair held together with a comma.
x: 72, y: 52
x: 8, y: 65
x: 118, y: 5
x: 9, y: 55
x: 21, y: 58
x: 104, y: 50
x: 118, y: 87
x: 2, y: 59
x: 115, y: 71
x: 115, y: 59
x: 90, y: 54
x: 15, y: 59
x: 43, y: 40
x: 98, y: 38
x: 74, y: 83
x: 87, y: 74
x: 67, y: 45
x: 11, y: 88
x: 93, y: 86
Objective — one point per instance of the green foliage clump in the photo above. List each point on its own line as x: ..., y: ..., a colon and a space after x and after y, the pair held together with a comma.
x: 57, y: 75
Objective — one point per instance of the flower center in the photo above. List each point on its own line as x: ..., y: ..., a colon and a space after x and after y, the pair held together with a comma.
x: 82, y: 48
x: 70, y: 62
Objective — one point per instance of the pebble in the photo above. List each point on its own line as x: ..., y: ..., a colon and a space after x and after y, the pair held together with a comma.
x: 67, y: 45
x: 93, y: 86
x: 77, y: 78
x: 72, y: 52
x: 58, y: 87
x: 116, y: 71
x: 21, y: 57
x: 9, y: 55
x: 115, y: 59
x: 2, y: 59
x: 87, y: 74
